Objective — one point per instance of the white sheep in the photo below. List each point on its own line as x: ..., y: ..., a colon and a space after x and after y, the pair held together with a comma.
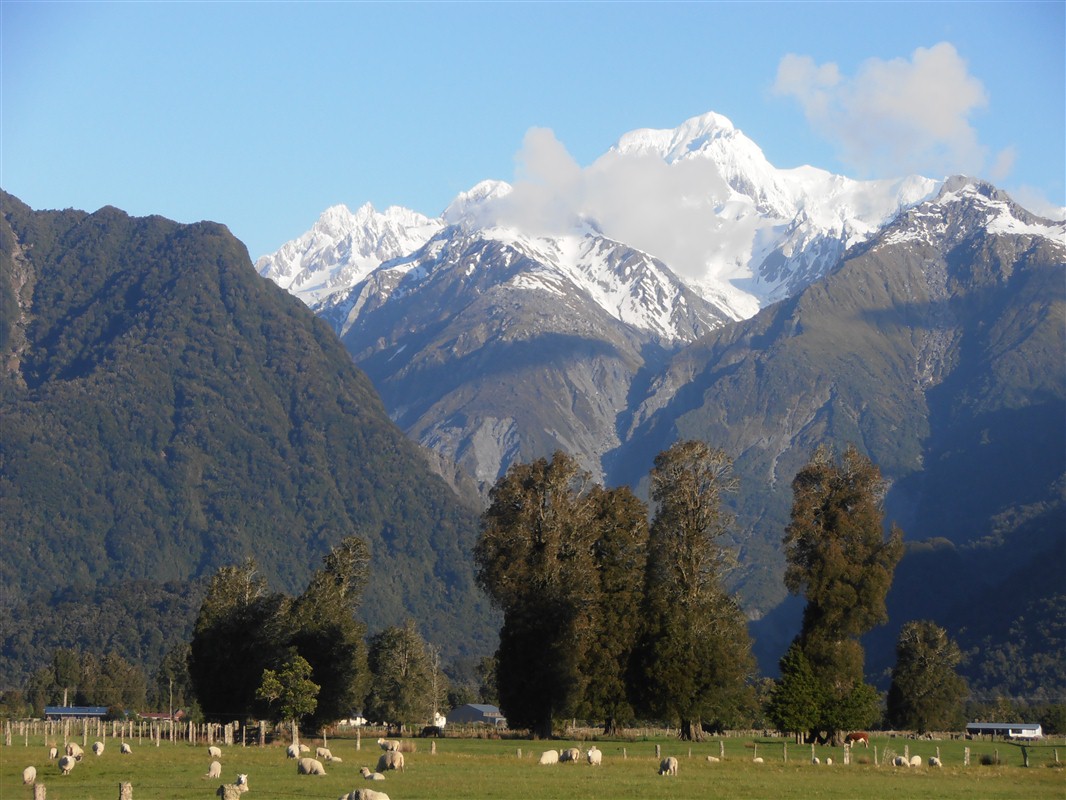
x: 815, y: 760
x: 242, y: 782
x: 364, y: 794
x: 900, y: 761
x: 323, y: 753
x: 569, y: 754
x: 336, y: 760
x: 74, y: 750
x: 594, y: 756
x: 916, y: 761
x: 66, y: 764
x: 668, y: 766
x: 757, y: 760
x: 29, y: 775
x: 304, y: 748
x: 549, y: 757
x: 388, y: 744
x: 310, y: 766
x: 935, y: 762
x: 98, y: 748
x: 214, y: 752
x: 293, y: 751
x: 392, y: 759
x: 125, y: 749
x: 53, y: 753
x: 370, y: 776
x: 215, y: 770
x: 713, y: 759
x: 829, y: 761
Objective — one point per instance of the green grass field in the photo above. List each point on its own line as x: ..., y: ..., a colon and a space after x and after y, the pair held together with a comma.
x: 492, y: 769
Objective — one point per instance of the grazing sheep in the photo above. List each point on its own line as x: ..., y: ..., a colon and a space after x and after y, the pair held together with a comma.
x: 370, y: 776
x: 713, y: 759
x: 916, y: 761
x: 900, y: 761
x: 29, y: 775
x: 304, y: 748
x: 569, y: 754
x: 388, y: 744
x: 393, y: 759
x: 215, y: 770
x: 935, y: 762
x: 549, y: 757
x: 66, y: 764
x: 757, y: 760
x: 98, y: 748
x: 293, y: 751
x: 816, y: 760
x: 310, y: 766
x: 668, y: 766
x: 364, y: 794
x: 323, y: 753
x: 595, y: 756
x: 125, y: 748
x: 829, y: 761
x: 74, y: 750
x: 53, y: 753
x: 336, y: 760
x: 214, y: 752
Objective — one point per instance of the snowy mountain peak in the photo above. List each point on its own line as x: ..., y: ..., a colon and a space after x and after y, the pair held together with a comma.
x: 465, y: 205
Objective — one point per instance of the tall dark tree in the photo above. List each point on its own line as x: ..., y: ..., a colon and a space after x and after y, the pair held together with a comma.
x: 327, y: 634
x: 695, y: 656
x: 620, y: 554
x: 838, y: 557
x: 926, y: 692
x: 239, y: 632
x: 535, y: 561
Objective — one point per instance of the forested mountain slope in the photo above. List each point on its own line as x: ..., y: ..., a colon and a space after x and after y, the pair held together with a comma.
x: 167, y: 411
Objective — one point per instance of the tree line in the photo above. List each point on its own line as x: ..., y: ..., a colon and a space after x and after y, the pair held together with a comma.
x: 610, y: 613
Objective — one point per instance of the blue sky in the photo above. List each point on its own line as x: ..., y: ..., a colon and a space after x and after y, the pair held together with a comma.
x: 261, y: 115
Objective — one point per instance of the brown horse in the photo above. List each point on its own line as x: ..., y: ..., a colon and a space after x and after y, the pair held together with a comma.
x: 858, y: 736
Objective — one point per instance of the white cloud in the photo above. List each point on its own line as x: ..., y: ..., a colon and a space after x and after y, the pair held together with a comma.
x: 895, y: 117
x: 664, y: 209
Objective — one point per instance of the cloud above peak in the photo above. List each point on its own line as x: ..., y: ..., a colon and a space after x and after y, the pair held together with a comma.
x: 895, y: 117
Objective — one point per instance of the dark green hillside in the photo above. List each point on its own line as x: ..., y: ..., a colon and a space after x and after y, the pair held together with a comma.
x: 166, y: 411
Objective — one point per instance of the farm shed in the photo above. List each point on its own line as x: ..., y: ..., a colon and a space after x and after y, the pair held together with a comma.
x: 477, y: 712
x: 1008, y: 730
x: 75, y: 712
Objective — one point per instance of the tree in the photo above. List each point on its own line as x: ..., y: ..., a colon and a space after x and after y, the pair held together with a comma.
x: 837, y: 556
x: 620, y: 554
x: 407, y: 687
x: 695, y: 655
x: 926, y: 692
x: 534, y: 559
x: 324, y: 630
x: 797, y: 700
x: 237, y: 635
x: 290, y: 692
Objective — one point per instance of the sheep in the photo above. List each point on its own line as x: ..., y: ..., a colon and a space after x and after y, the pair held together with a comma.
x: 53, y: 753
x: 370, y: 776
x: 336, y: 760
x: 29, y: 775
x: 74, y: 750
x: 242, y: 782
x: 388, y: 744
x: 303, y: 748
x: 713, y: 759
x: 214, y: 752
x: 934, y: 761
x: 757, y: 760
x: 595, y: 756
x: 98, y: 748
x: 816, y: 761
x: 125, y: 749
x: 829, y: 761
x: 215, y: 770
x: 549, y: 757
x: 900, y: 761
x: 364, y: 794
x: 393, y: 759
x: 916, y: 761
x: 668, y: 766
x: 323, y: 753
x: 310, y: 766
x: 569, y: 754
x: 293, y: 751
x: 66, y: 764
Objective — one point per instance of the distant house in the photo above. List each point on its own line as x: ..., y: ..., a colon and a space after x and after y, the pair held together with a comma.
x: 1008, y: 730
x: 473, y: 713
x: 75, y: 712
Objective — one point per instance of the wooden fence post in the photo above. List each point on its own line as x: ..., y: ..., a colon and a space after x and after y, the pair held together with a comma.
x: 125, y: 791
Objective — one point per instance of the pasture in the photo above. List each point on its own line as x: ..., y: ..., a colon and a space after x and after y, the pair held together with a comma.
x: 493, y: 769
